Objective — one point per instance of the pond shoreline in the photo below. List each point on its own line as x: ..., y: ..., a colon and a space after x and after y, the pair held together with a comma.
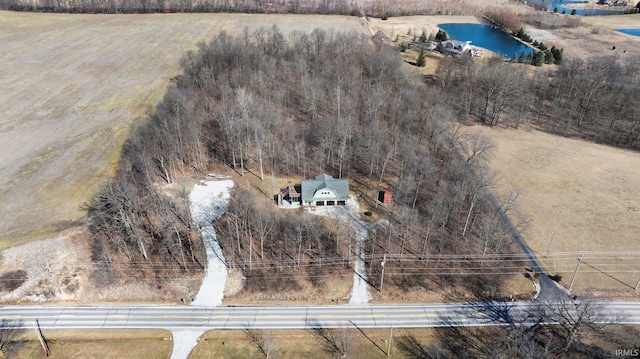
x: 489, y: 37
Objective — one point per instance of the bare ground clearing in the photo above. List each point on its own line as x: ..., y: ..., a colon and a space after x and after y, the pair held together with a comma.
x: 585, y: 193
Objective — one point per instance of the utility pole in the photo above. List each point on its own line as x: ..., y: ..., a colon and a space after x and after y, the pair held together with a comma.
x: 637, y: 285
x: 43, y: 341
x: 576, y: 272
x: 53, y: 277
x: 389, y: 342
x: 384, y: 259
x: 553, y: 235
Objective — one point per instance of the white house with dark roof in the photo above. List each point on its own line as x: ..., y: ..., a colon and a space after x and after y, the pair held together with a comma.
x: 324, y: 190
x: 455, y: 48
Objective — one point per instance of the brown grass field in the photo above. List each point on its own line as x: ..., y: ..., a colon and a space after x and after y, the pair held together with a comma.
x: 372, y: 344
x: 585, y: 193
x: 70, y: 88
x: 153, y: 344
x: 107, y: 344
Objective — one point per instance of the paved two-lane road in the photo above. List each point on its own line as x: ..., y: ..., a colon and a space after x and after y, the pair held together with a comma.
x: 207, y: 318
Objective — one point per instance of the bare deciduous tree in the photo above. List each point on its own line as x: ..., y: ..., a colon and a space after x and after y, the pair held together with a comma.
x: 260, y: 338
x: 576, y: 322
x: 334, y: 341
x: 10, y: 342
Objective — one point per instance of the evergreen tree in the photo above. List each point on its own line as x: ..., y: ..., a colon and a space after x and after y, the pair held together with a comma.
x: 523, y: 57
x: 423, y: 37
x: 573, y: 12
x: 422, y: 59
x: 538, y: 58
x: 548, y: 57
x: 557, y: 55
x: 441, y: 35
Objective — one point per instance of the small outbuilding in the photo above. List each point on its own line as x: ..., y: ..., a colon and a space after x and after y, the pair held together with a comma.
x: 385, y: 196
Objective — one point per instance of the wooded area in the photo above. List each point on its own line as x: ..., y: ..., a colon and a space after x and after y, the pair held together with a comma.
x: 591, y: 99
x: 316, y: 102
x: 340, y: 103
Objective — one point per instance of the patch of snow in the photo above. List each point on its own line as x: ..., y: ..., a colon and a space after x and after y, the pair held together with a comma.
x: 183, y: 342
x: 208, y: 202
x: 350, y: 214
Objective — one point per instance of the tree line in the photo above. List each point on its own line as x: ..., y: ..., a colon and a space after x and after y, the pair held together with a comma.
x: 591, y: 99
x: 375, y: 8
x: 318, y: 102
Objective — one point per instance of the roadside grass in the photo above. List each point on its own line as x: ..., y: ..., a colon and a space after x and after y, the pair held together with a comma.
x: 93, y: 343
x: 153, y: 344
x: 370, y: 343
x: 228, y: 344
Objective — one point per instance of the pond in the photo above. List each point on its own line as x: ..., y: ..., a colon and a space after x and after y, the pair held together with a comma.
x: 634, y: 32
x: 561, y: 5
x: 487, y: 37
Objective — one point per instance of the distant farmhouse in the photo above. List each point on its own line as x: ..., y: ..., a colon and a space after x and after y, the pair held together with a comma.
x: 613, y: 2
x: 323, y: 190
x: 456, y: 48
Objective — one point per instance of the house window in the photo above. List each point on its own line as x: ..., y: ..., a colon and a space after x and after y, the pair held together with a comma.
x: 331, y: 203
x: 320, y: 203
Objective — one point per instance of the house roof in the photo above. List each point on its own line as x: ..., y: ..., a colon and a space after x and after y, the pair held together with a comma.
x: 309, y: 187
x: 455, y: 45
